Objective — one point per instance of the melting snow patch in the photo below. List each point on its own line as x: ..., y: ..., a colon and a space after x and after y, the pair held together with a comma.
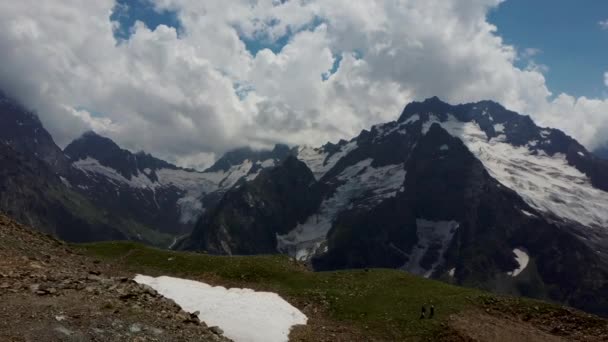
x: 581, y: 154
x: 451, y: 272
x: 444, y: 148
x: 522, y: 259
x: 244, y: 315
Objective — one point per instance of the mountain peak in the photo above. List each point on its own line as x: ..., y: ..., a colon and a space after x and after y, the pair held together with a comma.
x: 430, y: 105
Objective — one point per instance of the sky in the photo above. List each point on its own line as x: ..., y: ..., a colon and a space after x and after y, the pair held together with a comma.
x: 563, y: 36
x: 188, y: 80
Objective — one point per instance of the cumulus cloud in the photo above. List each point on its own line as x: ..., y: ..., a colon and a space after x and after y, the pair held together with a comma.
x: 346, y: 65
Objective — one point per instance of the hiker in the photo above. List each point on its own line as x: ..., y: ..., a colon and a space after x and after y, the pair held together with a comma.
x: 422, y: 312
x: 432, y: 311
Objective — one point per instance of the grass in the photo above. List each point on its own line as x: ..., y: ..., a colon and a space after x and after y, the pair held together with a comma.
x: 383, y: 303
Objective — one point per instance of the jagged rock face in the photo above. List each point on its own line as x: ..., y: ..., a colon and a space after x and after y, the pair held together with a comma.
x: 33, y: 194
x: 602, y: 152
x: 23, y: 131
x: 107, y: 153
x: 128, y: 184
x: 249, y: 217
x: 241, y: 155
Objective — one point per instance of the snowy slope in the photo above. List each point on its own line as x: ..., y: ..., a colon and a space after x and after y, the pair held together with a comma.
x: 244, y: 315
x: 320, y: 161
x: 192, y: 184
x: 547, y: 183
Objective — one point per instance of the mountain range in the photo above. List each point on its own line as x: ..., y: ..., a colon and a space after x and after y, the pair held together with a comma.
x: 472, y: 194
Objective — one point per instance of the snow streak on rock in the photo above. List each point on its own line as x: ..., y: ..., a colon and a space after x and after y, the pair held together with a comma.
x: 434, y: 238
x: 361, y: 185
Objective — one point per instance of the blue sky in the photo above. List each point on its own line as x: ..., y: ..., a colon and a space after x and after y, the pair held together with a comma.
x: 572, y: 43
x: 128, y: 11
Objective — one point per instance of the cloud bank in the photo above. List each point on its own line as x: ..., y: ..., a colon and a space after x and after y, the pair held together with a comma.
x: 191, y: 96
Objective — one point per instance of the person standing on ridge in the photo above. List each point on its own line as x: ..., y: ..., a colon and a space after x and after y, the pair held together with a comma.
x: 432, y: 311
x: 422, y: 312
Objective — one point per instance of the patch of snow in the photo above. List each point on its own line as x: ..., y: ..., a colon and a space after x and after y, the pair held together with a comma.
x: 428, y: 123
x: 314, y: 158
x: 581, y: 154
x: 320, y: 162
x: 267, y: 163
x: 522, y: 259
x: 452, y: 271
x: 444, y: 148
x: 411, y: 119
x: 533, y: 143
x: 499, y: 128
x: 435, y: 234
x: 147, y: 171
x: 378, y: 183
x: 545, y: 133
x: 547, y: 183
x: 93, y: 166
x: 244, y: 315
x: 194, y: 184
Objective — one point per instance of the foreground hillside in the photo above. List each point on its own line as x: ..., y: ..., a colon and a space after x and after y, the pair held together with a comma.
x: 362, y: 305
x: 49, y: 292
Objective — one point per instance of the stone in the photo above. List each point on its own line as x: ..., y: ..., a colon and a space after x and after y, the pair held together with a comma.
x: 216, y: 330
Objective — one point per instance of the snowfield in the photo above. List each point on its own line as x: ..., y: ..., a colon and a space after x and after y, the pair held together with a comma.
x: 435, y: 234
x: 320, y: 162
x: 547, y: 183
x: 193, y: 184
x: 244, y: 315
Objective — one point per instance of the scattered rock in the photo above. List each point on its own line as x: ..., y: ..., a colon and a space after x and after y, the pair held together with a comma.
x: 217, y: 330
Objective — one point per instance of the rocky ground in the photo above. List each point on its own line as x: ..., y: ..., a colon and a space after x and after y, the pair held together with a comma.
x: 48, y: 292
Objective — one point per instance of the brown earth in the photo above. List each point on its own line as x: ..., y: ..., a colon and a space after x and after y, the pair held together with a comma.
x: 50, y: 293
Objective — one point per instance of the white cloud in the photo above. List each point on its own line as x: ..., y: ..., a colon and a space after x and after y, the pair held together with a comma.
x: 606, y: 78
x: 603, y: 24
x: 191, y: 97
x: 530, y: 52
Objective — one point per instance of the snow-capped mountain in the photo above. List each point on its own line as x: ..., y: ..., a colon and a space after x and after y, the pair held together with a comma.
x: 167, y: 198
x: 473, y: 194
x: 122, y: 195
x: 32, y: 175
x: 22, y: 131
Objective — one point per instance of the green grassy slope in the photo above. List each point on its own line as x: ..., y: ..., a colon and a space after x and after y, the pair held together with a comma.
x: 384, y: 303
